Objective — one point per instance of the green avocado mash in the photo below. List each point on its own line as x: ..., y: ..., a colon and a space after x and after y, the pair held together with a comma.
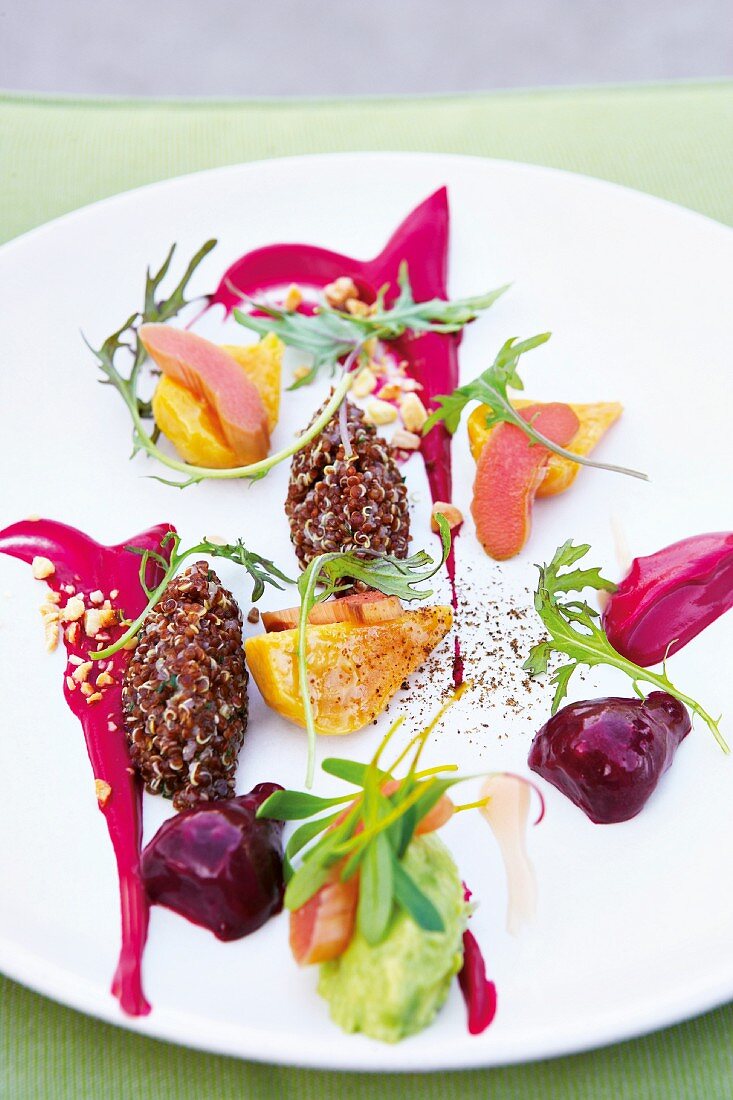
x: 396, y: 988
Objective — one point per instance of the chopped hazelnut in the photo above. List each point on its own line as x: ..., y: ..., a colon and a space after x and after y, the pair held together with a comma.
x: 42, y: 568
x: 293, y: 298
x: 339, y: 291
x: 97, y: 619
x: 114, y: 593
x: 390, y: 391
x: 104, y: 680
x: 50, y: 616
x: 87, y: 689
x: 94, y: 697
x: 96, y: 597
x: 73, y: 611
x: 70, y: 684
x: 379, y: 412
x: 365, y: 382
x: 404, y: 440
x: 72, y: 634
x: 414, y: 414
x: 357, y: 308
x: 103, y: 792
x: 453, y: 515
x: 81, y: 672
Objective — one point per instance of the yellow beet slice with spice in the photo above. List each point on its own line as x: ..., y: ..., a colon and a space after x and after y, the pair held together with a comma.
x: 189, y: 423
x: 595, y: 420
x: 353, y: 670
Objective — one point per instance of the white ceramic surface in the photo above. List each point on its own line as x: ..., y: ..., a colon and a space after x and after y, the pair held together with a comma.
x: 633, y: 929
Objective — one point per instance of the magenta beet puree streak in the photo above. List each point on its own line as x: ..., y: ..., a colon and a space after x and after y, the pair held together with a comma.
x: 88, y: 566
x: 421, y: 241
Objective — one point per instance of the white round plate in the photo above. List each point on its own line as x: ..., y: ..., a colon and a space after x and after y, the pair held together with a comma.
x: 633, y: 926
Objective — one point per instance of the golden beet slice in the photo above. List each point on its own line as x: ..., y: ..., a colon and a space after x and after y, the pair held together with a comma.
x: 354, y: 670
x: 508, y: 474
x: 212, y: 376
x: 595, y: 420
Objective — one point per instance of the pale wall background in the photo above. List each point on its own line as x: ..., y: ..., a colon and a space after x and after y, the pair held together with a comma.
x: 327, y: 47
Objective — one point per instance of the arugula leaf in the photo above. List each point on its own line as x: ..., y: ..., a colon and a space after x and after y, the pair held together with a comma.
x: 575, y: 631
x: 491, y: 389
x: 261, y: 570
x: 330, y: 334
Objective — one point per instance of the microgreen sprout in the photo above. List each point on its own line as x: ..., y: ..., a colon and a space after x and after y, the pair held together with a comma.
x: 490, y: 389
x: 574, y: 630
x: 329, y: 574
x: 369, y: 830
x: 170, y: 560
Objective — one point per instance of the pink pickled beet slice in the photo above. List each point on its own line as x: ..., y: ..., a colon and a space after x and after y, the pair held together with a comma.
x: 214, y: 377
x: 509, y: 472
x: 667, y: 598
x: 86, y: 565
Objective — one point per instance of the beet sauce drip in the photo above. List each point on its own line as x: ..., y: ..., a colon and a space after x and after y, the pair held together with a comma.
x: 422, y: 242
x: 88, y: 566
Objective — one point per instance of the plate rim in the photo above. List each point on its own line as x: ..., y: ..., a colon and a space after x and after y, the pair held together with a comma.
x: 63, y: 986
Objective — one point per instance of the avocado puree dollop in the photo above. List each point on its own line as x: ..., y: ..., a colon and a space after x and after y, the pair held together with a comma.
x: 396, y: 988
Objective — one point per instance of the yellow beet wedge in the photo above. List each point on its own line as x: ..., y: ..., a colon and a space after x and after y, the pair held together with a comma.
x: 595, y: 420
x: 353, y: 670
x: 189, y: 422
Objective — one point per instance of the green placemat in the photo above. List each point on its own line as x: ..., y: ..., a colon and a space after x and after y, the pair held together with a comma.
x: 58, y: 154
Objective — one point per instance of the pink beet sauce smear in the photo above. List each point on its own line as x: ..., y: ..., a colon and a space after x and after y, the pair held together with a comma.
x: 88, y: 566
x: 478, y: 992
x: 421, y: 241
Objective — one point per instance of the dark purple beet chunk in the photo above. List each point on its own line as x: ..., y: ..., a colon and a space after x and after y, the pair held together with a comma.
x: 218, y: 865
x: 607, y: 755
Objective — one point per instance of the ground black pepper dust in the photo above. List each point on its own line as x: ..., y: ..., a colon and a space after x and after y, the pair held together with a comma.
x: 184, y: 695
x: 497, y: 626
x: 337, y: 505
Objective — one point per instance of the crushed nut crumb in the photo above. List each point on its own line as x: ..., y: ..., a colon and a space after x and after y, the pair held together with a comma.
x: 73, y: 611
x: 103, y: 792
x: 365, y: 382
x: 96, y: 597
x: 339, y: 291
x: 379, y: 412
x: 42, y: 568
x: 357, y: 308
x: 403, y: 440
x: 413, y: 412
x: 81, y: 672
x: 94, y: 697
x: 97, y: 619
x: 453, y: 515
x: 293, y: 298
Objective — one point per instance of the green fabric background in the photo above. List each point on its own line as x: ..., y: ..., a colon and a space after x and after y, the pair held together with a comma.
x: 58, y: 154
